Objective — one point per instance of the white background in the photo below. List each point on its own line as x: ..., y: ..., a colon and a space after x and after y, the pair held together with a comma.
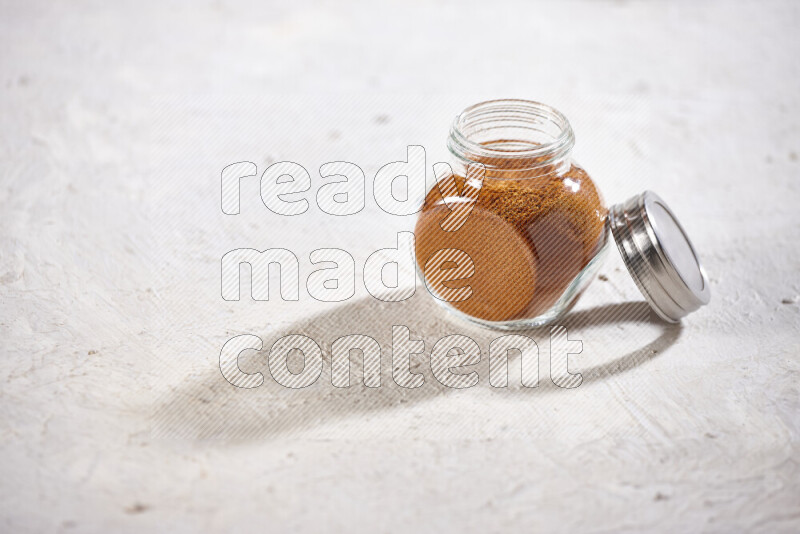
x: 116, y: 120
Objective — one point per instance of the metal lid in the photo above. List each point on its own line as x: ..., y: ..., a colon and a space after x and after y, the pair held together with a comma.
x: 659, y: 256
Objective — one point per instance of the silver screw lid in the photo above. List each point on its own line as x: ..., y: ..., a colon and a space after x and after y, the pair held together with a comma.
x: 659, y: 256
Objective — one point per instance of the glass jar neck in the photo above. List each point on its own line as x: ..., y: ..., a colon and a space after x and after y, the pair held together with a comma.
x: 513, y: 139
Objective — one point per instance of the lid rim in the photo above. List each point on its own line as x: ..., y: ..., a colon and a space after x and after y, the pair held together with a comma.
x: 633, y: 270
x: 648, y: 263
x: 703, y: 297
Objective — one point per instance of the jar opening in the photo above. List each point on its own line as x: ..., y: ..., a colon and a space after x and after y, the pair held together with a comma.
x: 519, y: 134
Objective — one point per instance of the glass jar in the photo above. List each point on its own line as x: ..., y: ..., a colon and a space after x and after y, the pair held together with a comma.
x: 514, y: 230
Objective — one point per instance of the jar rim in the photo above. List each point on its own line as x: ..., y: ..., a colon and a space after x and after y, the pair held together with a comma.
x: 496, y: 113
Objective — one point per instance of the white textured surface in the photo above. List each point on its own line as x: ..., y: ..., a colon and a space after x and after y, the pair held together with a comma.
x: 115, y: 122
